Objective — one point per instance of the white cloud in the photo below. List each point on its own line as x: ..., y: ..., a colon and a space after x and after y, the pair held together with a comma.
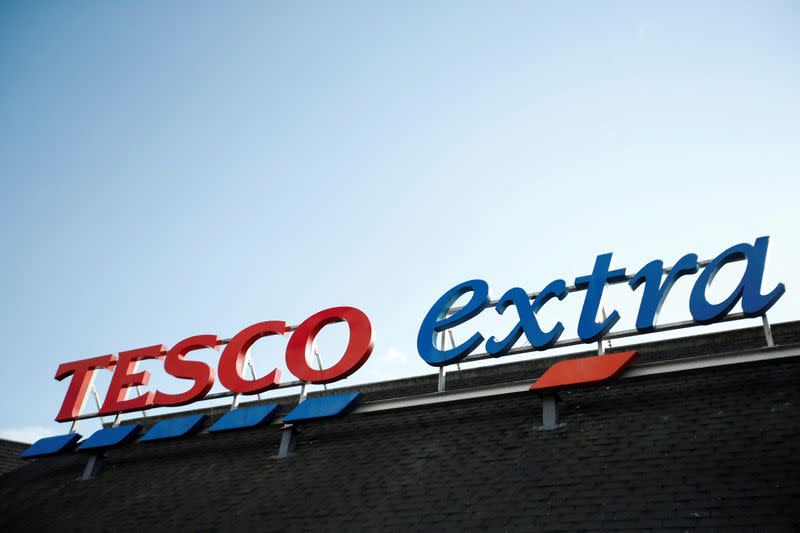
x: 28, y: 433
x: 396, y: 356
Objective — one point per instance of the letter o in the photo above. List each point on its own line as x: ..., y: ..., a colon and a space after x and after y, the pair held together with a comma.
x: 359, y: 347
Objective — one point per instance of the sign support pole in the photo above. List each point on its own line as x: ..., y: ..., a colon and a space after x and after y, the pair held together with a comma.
x: 238, y: 396
x: 289, y: 436
x: 550, y: 411
x: 600, y: 349
x: 94, y: 466
x: 767, y: 330
x: 440, y: 387
x: 319, y: 363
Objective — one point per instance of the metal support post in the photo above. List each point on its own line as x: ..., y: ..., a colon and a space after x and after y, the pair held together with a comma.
x: 303, y: 392
x: 550, y: 409
x: 767, y: 330
x: 118, y: 417
x: 139, y: 392
x: 97, y: 402
x: 453, y: 345
x: 74, y: 426
x: 319, y: 363
x: 289, y: 436
x: 238, y: 396
x: 94, y: 466
x: 253, y: 373
x: 288, y: 441
x: 452, y: 339
x: 600, y: 349
x: 440, y: 387
x: 235, y: 402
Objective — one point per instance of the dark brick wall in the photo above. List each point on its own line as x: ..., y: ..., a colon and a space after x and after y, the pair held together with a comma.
x: 9, y: 455
x: 715, y: 450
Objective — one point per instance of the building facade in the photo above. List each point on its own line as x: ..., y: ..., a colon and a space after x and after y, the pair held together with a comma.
x: 698, y: 446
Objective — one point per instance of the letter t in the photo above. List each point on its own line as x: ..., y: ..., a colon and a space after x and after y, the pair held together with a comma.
x: 589, y: 330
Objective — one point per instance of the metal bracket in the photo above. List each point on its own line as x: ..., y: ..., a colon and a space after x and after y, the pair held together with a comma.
x: 94, y: 466
x: 139, y: 392
x: 453, y: 344
x: 767, y: 330
x: 319, y: 362
x: 290, y: 432
x: 248, y: 362
x: 440, y: 387
x: 303, y: 393
x: 550, y: 411
x: 600, y: 349
x: 288, y: 441
x: 441, y: 384
x: 252, y: 371
x: 73, y: 428
x: 235, y: 403
x: 97, y: 402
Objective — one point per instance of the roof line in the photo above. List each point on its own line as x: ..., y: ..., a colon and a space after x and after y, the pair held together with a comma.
x: 672, y: 366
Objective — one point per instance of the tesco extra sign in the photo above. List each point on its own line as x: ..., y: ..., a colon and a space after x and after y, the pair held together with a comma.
x: 654, y: 280
x: 230, y: 369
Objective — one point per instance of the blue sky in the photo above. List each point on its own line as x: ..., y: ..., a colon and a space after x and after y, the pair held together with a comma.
x: 171, y: 169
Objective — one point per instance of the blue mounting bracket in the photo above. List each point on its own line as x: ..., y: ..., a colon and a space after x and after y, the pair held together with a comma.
x: 245, y: 418
x: 312, y: 409
x: 100, y: 441
x: 173, y: 428
x: 51, y: 446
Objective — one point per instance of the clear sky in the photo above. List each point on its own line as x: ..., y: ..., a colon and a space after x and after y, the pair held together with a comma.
x: 177, y: 168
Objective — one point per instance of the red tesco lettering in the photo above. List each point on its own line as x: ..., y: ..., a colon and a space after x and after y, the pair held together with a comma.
x: 230, y: 368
